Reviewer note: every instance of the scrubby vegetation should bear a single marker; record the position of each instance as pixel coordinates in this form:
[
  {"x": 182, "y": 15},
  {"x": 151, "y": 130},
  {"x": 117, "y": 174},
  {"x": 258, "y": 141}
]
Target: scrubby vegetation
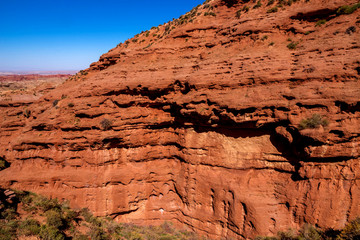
[
  {"x": 3, "y": 164},
  {"x": 292, "y": 45},
  {"x": 346, "y": 9},
  {"x": 320, "y": 22},
  {"x": 49, "y": 219},
  {"x": 272, "y": 10},
  {"x": 308, "y": 232},
  {"x": 27, "y": 113},
  {"x": 258, "y": 4},
  {"x": 315, "y": 121},
  {"x": 106, "y": 124},
  {"x": 209, "y": 14}
]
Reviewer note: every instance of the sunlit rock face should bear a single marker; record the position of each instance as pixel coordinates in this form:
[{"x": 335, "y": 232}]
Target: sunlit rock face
[{"x": 233, "y": 124}]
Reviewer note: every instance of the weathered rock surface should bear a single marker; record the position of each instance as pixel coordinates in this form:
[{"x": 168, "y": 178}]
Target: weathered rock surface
[{"x": 198, "y": 122}]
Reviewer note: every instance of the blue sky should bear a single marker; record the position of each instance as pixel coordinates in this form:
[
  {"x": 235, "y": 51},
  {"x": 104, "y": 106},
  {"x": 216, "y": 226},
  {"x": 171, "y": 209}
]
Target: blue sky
[{"x": 44, "y": 35}]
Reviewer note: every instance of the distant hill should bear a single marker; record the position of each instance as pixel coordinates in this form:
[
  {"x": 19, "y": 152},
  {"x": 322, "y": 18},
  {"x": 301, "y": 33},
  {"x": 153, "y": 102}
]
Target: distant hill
[{"x": 2, "y": 73}]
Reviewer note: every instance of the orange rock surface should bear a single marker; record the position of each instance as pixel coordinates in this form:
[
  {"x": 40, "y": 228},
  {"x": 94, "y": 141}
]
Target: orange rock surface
[{"x": 202, "y": 122}]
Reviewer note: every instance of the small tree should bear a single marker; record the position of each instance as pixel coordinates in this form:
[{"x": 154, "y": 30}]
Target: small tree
[
  {"x": 105, "y": 124},
  {"x": 313, "y": 122}
]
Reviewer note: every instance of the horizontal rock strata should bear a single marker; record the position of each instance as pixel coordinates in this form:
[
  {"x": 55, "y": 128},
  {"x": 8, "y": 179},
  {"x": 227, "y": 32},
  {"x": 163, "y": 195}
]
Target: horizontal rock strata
[{"x": 205, "y": 122}]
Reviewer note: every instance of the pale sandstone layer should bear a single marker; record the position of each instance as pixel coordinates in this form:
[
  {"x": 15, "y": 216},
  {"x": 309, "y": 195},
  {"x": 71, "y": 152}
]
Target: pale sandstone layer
[{"x": 205, "y": 124}]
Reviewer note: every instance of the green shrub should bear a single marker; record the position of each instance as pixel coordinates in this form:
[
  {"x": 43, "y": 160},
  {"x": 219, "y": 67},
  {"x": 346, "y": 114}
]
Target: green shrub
[
  {"x": 106, "y": 124},
  {"x": 3, "y": 164},
  {"x": 8, "y": 214},
  {"x": 209, "y": 14},
  {"x": 88, "y": 217},
  {"x": 60, "y": 224},
  {"x": 320, "y": 22},
  {"x": 289, "y": 235},
  {"x": 270, "y": 2},
  {"x": 46, "y": 204},
  {"x": 348, "y": 9},
  {"x": 86, "y": 214},
  {"x": 80, "y": 237},
  {"x": 8, "y": 229},
  {"x": 309, "y": 232},
  {"x": 97, "y": 233},
  {"x": 272, "y": 10},
  {"x": 292, "y": 45},
  {"x": 238, "y": 13},
  {"x": 71, "y": 105},
  {"x": 258, "y": 4},
  {"x": 167, "y": 237},
  {"x": 314, "y": 121},
  {"x": 265, "y": 238},
  {"x": 54, "y": 218},
  {"x": 245, "y": 8},
  {"x": 29, "y": 227},
  {"x": 351, "y": 231},
  {"x": 69, "y": 215},
  {"x": 6, "y": 234},
  {"x": 51, "y": 233}
]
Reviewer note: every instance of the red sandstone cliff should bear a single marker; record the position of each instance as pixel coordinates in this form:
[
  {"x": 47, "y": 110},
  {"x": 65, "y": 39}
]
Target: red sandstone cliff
[{"x": 200, "y": 122}]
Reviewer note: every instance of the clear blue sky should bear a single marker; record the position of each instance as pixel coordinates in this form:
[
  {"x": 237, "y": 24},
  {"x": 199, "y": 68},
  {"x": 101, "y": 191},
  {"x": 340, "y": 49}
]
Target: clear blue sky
[{"x": 43, "y": 35}]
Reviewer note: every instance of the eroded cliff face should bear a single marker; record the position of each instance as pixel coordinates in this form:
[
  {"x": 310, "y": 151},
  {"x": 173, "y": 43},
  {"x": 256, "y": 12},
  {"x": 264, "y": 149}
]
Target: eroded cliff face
[{"x": 199, "y": 122}]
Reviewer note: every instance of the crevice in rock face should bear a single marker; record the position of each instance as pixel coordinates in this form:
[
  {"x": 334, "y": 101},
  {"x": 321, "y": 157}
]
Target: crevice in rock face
[
  {"x": 357, "y": 69},
  {"x": 229, "y": 3},
  {"x": 35, "y": 145},
  {"x": 288, "y": 97},
  {"x": 314, "y": 16},
  {"x": 176, "y": 191},
  {"x": 115, "y": 215},
  {"x": 78, "y": 129},
  {"x": 339, "y": 133},
  {"x": 84, "y": 115},
  {"x": 350, "y": 203},
  {"x": 346, "y": 107},
  {"x": 111, "y": 142},
  {"x": 311, "y": 106},
  {"x": 329, "y": 159},
  {"x": 37, "y": 157},
  {"x": 177, "y": 86},
  {"x": 42, "y": 127}
]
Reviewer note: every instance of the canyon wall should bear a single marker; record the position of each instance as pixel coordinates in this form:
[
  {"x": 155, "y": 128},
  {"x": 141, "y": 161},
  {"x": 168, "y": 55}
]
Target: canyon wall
[{"x": 234, "y": 121}]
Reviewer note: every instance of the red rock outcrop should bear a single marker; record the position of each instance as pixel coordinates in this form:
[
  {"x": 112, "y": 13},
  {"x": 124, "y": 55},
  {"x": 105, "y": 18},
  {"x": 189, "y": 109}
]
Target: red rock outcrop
[{"x": 206, "y": 122}]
